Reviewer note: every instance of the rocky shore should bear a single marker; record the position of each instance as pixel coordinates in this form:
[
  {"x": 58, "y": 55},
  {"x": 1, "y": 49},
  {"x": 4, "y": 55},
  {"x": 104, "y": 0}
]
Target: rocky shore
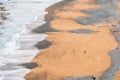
[{"x": 82, "y": 43}]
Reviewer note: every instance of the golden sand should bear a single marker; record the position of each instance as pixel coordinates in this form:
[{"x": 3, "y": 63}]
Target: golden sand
[
  {"x": 78, "y": 5},
  {"x": 73, "y": 54},
  {"x": 77, "y": 54},
  {"x": 117, "y": 76},
  {"x": 64, "y": 24}
]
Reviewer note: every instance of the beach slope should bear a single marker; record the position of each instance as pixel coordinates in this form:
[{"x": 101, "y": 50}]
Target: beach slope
[{"x": 81, "y": 34}]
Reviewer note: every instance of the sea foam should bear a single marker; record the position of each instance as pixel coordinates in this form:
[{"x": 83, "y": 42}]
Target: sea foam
[{"x": 17, "y": 41}]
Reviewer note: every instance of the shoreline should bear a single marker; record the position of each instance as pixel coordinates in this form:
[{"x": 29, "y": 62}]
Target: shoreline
[
  {"x": 19, "y": 52},
  {"x": 104, "y": 29},
  {"x": 22, "y": 66},
  {"x": 53, "y": 31}
]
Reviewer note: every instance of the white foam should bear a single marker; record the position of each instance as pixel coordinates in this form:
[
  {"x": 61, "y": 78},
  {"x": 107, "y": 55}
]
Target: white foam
[{"x": 17, "y": 41}]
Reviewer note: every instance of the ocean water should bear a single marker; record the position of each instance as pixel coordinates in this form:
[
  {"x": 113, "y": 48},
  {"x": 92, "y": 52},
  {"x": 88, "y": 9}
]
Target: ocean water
[{"x": 16, "y": 39}]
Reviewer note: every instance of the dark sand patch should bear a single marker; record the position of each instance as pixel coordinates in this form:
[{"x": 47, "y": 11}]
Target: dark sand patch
[
  {"x": 89, "y": 20},
  {"x": 30, "y": 65},
  {"x": 80, "y": 78},
  {"x": 99, "y": 11},
  {"x": 44, "y": 28},
  {"x": 43, "y": 44},
  {"x": 104, "y": 2},
  {"x": 98, "y": 15},
  {"x": 83, "y": 31}
]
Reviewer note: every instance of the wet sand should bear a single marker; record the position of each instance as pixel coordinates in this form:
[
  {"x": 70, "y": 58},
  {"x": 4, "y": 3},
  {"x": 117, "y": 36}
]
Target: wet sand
[{"x": 73, "y": 48}]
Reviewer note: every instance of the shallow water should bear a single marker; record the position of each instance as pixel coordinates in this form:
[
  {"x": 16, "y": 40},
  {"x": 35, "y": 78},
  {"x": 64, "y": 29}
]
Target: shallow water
[{"x": 17, "y": 41}]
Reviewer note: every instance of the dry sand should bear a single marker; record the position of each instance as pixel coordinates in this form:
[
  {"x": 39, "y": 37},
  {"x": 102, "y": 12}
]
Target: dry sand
[
  {"x": 74, "y": 54},
  {"x": 117, "y": 76}
]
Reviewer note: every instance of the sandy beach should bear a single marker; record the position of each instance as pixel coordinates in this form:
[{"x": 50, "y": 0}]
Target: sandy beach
[{"x": 81, "y": 38}]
